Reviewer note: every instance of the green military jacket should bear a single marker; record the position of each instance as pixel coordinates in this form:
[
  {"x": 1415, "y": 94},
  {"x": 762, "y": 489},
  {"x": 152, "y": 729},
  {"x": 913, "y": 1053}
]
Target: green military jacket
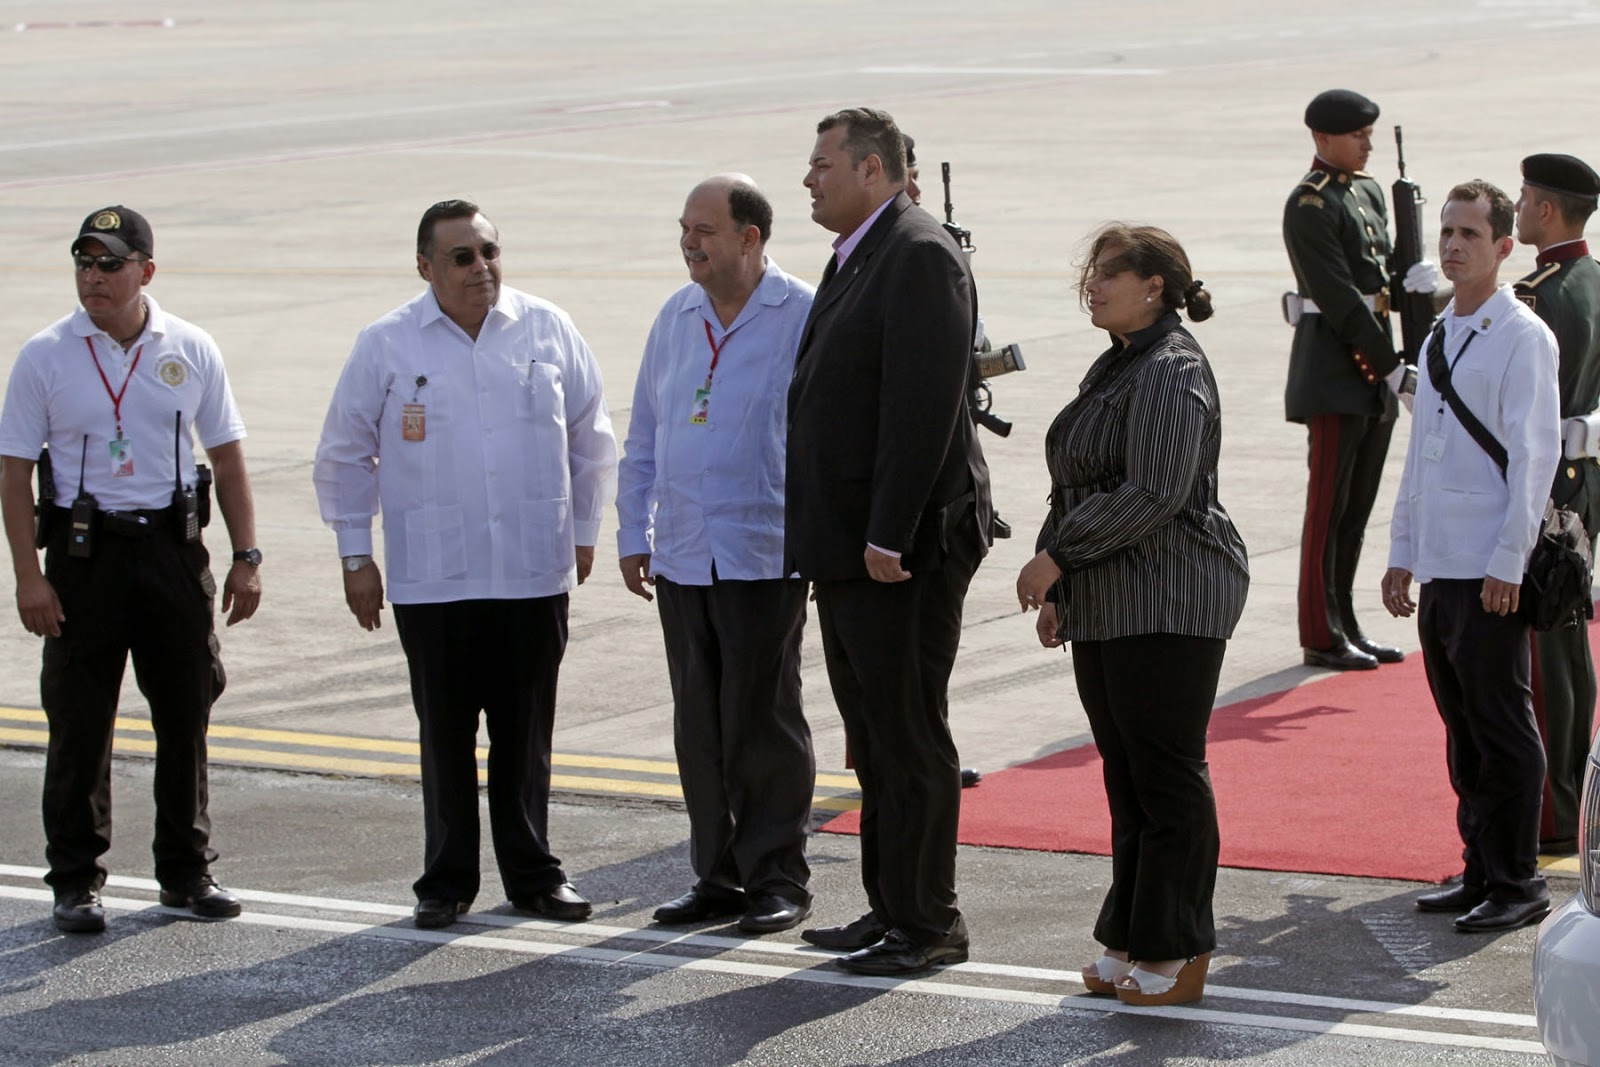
[
  {"x": 1565, "y": 293},
  {"x": 1336, "y": 229}
]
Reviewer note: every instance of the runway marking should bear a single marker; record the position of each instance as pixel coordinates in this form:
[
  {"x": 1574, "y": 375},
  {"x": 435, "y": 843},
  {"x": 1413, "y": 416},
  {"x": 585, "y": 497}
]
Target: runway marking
[
  {"x": 808, "y": 964},
  {"x": 309, "y": 761},
  {"x": 1052, "y": 72}
]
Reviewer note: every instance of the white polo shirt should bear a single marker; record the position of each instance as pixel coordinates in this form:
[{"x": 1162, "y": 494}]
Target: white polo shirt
[
  {"x": 57, "y": 396},
  {"x": 491, "y": 458}
]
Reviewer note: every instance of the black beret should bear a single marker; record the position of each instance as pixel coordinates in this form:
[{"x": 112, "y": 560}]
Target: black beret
[
  {"x": 1340, "y": 111},
  {"x": 911, "y": 148},
  {"x": 1563, "y": 174}
]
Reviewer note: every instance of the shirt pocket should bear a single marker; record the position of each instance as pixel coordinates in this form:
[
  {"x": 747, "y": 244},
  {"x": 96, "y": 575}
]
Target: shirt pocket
[
  {"x": 436, "y": 543},
  {"x": 545, "y": 532},
  {"x": 540, "y": 396}
]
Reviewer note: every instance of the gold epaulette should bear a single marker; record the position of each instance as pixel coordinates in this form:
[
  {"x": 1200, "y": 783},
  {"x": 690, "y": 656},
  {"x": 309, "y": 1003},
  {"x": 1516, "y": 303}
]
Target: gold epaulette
[
  {"x": 1533, "y": 281},
  {"x": 1316, "y": 180}
]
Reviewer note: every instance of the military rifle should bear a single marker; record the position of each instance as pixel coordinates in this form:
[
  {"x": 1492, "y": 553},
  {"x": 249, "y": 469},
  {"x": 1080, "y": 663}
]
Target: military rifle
[
  {"x": 1415, "y": 309},
  {"x": 990, "y": 362},
  {"x": 987, "y": 361}
]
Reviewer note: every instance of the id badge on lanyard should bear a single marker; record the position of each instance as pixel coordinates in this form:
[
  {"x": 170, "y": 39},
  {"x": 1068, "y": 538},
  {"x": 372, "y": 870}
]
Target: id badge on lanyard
[
  {"x": 119, "y": 447},
  {"x": 700, "y": 410}
]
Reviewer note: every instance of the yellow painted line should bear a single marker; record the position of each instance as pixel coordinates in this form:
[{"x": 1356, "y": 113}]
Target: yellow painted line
[
  {"x": 405, "y": 748},
  {"x": 1565, "y": 863},
  {"x": 392, "y": 768}
]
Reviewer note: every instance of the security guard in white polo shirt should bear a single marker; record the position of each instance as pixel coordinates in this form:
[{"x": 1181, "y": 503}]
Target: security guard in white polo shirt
[{"x": 118, "y": 390}]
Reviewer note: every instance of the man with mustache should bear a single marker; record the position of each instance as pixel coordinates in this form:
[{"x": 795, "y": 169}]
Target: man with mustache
[
  {"x": 474, "y": 416},
  {"x": 700, "y": 518},
  {"x": 120, "y": 390}
]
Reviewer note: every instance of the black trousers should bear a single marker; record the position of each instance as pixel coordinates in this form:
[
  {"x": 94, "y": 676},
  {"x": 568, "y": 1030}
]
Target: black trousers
[
  {"x": 1148, "y": 698},
  {"x": 890, "y": 648},
  {"x": 744, "y": 748},
  {"x": 1563, "y": 705},
  {"x": 1478, "y": 667},
  {"x": 150, "y": 599},
  {"x": 1346, "y": 463},
  {"x": 500, "y": 657}
]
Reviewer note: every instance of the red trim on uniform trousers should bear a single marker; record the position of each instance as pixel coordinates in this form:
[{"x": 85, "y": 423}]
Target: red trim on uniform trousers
[{"x": 1314, "y": 631}]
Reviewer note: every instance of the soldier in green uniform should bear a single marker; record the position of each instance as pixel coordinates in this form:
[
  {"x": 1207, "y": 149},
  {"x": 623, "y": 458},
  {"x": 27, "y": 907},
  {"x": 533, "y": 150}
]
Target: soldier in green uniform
[
  {"x": 1344, "y": 372},
  {"x": 1559, "y": 194}
]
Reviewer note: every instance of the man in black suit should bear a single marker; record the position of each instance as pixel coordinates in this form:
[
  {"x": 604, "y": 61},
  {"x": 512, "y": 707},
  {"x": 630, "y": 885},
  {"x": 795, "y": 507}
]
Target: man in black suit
[{"x": 889, "y": 514}]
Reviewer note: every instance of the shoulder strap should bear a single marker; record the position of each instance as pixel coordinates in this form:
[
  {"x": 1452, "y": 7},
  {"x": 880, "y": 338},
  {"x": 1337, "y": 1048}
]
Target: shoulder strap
[{"x": 1439, "y": 374}]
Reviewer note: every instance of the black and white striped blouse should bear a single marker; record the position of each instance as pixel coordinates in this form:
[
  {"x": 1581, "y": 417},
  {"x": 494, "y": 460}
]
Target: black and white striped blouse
[{"x": 1143, "y": 545}]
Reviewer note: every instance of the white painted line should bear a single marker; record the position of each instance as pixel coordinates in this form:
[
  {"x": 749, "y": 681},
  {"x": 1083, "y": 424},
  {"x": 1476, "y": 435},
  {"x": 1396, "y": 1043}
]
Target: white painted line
[
  {"x": 620, "y": 105},
  {"x": 930, "y": 986},
  {"x": 1011, "y": 72},
  {"x": 663, "y": 936}
]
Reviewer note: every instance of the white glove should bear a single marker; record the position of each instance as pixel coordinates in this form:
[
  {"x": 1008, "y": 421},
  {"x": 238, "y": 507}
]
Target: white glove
[
  {"x": 1423, "y": 277},
  {"x": 1396, "y": 379}
]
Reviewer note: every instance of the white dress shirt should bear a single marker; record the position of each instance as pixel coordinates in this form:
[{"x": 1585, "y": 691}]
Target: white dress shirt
[
  {"x": 57, "y": 396},
  {"x": 693, "y": 494},
  {"x": 515, "y": 464},
  {"x": 1456, "y": 516}
]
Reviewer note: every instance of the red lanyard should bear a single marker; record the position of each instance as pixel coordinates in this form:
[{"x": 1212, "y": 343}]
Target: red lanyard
[
  {"x": 116, "y": 397},
  {"x": 716, "y": 350}
]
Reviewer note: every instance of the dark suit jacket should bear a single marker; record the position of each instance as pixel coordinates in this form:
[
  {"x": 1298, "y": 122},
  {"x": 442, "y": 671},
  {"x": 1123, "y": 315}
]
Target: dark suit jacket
[{"x": 881, "y": 446}]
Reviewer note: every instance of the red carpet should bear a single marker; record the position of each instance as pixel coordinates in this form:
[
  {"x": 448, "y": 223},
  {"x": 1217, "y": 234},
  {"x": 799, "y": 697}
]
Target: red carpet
[{"x": 1344, "y": 775}]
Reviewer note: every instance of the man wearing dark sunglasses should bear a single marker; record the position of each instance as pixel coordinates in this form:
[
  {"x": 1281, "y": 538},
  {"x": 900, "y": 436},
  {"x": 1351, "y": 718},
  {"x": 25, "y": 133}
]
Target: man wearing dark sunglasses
[
  {"x": 474, "y": 417},
  {"x": 119, "y": 390}
]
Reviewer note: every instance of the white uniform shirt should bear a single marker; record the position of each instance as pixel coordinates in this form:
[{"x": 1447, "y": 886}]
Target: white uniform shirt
[
  {"x": 693, "y": 494},
  {"x": 56, "y": 396},
  {"x": 1456, "y": 517},
  {"x": 516, "y": 463}
]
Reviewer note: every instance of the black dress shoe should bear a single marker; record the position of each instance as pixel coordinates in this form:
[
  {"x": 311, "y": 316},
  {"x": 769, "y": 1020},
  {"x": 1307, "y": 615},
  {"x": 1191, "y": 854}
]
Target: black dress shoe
[
  {"x": 700, "y": 904},
  {"x": 435, "y": 913},
  {"x": 1494, "y": 915},
  {"x": 897, "y": 954},
  {"x": 867, "y": 930},
  {"x": 1453, "y": 898},
  {"x": 204, "y": 897},
  {"x": 78, "y": 911},
  {"x": 1342, "y": 658},
  {"x": 970, "y": 776},
  {"x": 769, "y": 913},
  {"x": 1379, "y": 652},
  {"x": 558, "y": 902}
]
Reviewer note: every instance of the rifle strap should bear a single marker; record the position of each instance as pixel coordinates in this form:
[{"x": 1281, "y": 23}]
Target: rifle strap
[{"x": 1439, "y": 370}]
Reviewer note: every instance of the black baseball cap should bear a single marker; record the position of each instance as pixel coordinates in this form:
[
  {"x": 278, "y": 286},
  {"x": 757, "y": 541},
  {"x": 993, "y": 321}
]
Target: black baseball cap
[
  {"x": 1339, "y": 111},
  {"x": 121, "y": 229},
  {"x": 1561, "y": 174}
]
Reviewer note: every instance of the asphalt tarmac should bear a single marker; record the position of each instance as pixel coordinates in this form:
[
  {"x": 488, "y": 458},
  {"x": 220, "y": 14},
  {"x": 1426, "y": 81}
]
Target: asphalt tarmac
[{"x": 284, "y": 152}]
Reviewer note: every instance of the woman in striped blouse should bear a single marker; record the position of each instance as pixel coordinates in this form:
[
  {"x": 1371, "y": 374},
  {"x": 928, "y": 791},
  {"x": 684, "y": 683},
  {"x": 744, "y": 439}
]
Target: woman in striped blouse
[{"x": 1142, "y": 570}]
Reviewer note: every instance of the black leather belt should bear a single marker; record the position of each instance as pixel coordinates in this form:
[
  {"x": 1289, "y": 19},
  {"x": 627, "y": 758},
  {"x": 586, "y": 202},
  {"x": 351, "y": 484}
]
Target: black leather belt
[{"x": 132, "y": 525}]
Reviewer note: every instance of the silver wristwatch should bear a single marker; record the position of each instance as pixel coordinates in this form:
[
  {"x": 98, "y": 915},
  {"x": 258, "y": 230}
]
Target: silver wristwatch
[{"x": 355, "y": 563}]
